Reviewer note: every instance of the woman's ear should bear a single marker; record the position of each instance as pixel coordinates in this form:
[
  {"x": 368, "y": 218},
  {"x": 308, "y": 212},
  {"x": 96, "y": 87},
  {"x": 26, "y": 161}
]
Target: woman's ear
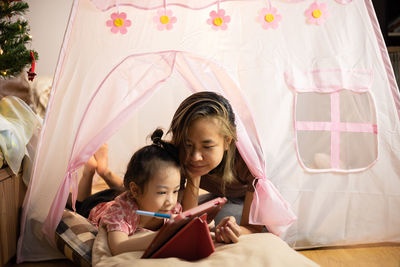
[
  {"x": 227, "y": 143},
  {"x": 134, "y": 189}
]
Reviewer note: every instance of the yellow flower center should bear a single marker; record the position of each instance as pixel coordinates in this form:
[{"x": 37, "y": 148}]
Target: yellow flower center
[
  {"x": 269, "y": 18},
  {"x": 218, "y": 21},
  {"x": 118, "y": 22},
  {"x": 317, "y": 13},
  {"x": 164, "y": 19}
]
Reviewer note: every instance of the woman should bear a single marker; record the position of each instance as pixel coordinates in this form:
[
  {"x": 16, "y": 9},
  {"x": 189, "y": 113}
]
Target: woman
[{"x": 204, "y": 130}]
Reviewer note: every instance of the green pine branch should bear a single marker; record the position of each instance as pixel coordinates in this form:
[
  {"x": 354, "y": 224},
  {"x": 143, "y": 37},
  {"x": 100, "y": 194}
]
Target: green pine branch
[
  {"x": 9, "y": 9},
  {"x": 14, "y": 37},
  {"x": 11, "y": 31}
]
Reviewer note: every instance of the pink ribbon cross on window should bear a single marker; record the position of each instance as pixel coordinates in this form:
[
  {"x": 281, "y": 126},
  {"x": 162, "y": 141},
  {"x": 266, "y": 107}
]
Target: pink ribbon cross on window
[{"x": 335, "y": 126}]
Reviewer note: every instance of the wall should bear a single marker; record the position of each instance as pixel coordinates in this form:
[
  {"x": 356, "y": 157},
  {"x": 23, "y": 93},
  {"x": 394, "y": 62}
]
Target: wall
[{"x": 47, "y": 20}]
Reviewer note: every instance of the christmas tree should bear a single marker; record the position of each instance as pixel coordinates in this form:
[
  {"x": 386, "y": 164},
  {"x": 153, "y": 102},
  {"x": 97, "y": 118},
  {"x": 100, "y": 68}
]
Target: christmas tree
[{"x": 14, "y": 36}]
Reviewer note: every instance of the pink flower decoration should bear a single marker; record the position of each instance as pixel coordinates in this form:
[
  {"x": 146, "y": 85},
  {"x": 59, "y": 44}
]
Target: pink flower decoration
[
  {"x": 164, "y": 19},
  {"x": 269, "y": 18},
  {"x": 218, "y": 20},
  {"x": 317, "y": 13},
  {"x": 118, "y": 23}
]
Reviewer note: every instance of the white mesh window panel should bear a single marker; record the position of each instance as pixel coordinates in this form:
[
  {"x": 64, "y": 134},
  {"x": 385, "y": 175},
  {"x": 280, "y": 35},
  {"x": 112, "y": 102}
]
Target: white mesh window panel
[{"x": 335, "y": 131}]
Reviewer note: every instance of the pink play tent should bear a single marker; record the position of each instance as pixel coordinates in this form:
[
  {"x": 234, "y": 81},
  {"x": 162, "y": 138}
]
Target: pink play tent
[{"x": 310, "y": 82}]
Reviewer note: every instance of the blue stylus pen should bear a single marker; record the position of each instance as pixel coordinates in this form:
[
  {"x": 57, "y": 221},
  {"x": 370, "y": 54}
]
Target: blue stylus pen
[{"x": 154, "y": 214}]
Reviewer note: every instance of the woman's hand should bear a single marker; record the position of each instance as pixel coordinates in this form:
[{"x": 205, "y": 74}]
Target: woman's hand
[
  {"x": 211, "y": 225},
  {"x": 227, "y": 231}
]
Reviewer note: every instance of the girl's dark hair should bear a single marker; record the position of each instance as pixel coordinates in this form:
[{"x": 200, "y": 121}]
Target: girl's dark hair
[
  {"x": 146, "y": 161},
  {"x": 207, "y": 104}
]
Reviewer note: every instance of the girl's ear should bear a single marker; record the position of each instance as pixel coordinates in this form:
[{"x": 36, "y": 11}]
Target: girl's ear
[
  {"x": 134, "y": 189},
  {"x": 227, "y": 143}
]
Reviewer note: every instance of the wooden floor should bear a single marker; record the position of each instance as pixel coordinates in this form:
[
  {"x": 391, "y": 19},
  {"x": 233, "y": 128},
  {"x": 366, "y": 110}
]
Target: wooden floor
[{"x": 373, "y": 255}]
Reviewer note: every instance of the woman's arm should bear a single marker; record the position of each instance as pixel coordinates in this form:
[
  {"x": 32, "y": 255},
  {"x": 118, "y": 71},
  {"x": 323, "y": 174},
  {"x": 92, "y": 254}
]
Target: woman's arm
[
  {"x": 191, "y": 193},
  {"x": 228, "y": 231},
  {"x": 119, "y": 242},
  {"x": 244, "y": 222},
  {"x": 243, "y": 171}
]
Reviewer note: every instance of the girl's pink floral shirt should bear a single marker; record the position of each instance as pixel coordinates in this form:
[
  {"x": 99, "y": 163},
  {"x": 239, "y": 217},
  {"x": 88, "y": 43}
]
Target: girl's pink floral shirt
[{"x": 120, "y": 214}]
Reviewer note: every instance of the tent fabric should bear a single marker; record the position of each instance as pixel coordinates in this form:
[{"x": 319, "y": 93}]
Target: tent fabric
[{"x": 317, "y": 108}]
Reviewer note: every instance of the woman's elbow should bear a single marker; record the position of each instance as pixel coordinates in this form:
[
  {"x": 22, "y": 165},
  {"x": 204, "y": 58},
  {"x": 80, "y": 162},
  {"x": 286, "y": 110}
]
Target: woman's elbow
[{"x": 251, "y": 229}]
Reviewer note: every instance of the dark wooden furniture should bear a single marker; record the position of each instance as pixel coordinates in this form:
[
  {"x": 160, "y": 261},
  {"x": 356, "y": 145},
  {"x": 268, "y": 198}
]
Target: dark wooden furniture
[{"x": 12, "y": 191}]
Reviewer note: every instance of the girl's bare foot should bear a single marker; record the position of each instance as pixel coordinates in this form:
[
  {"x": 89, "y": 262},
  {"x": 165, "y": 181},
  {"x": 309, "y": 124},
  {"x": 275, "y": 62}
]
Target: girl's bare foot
[
  {"x": 85, "y": 183},
  {"x": 90, "y": 166},
  {"x": 102, "y": 169},
  {"x": 101, "y": 157}
]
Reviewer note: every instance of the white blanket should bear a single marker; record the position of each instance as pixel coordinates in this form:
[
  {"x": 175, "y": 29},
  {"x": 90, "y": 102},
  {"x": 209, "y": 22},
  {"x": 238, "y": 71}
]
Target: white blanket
[{"x": 263, "y": 249}]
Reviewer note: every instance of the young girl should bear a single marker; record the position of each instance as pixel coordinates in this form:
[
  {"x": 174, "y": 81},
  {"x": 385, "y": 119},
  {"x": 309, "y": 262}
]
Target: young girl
[{"x": 152, "y": 183}]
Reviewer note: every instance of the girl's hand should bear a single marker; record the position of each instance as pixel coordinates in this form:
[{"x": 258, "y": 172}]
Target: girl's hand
[
  {"x": 227, "y": 231},
  {"x": 173, "y": 215}
]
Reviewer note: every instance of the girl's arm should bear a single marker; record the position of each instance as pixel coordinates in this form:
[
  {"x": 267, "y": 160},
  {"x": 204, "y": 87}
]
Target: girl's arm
[{"x": 119, "y": 242}]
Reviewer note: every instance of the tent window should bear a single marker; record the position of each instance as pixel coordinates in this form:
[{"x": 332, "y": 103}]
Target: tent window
[{"x": 335, "y": 131}]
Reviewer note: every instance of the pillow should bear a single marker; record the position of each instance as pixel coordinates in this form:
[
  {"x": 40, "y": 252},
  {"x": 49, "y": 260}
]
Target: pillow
[
  {"x": 74, "y": 238},
  {"x": 17, "y": 86},
  {"x": 41, "y": 88},
  {"x": 260, "y": 249}
]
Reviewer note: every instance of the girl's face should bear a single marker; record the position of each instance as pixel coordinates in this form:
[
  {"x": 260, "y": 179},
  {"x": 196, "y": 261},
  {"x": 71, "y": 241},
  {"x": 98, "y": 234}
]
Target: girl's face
[
  {"x": 204, "y": 146},
  {"x": 161, "y": 192}
]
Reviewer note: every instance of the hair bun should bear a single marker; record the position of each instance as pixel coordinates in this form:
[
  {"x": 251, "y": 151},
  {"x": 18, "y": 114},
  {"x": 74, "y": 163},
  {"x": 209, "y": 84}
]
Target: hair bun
[{"x": 156, "y": 136}]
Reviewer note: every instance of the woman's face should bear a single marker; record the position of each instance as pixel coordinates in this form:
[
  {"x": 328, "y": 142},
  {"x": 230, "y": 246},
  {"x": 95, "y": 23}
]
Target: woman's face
[{"x": 204, "y": 146}]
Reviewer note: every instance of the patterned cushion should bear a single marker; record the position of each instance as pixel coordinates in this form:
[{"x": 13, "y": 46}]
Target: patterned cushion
[{"x": 75, "y": 237}]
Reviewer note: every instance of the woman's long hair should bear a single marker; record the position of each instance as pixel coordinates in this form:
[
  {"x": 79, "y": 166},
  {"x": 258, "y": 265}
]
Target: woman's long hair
[{"x": 201, "y": 105}]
